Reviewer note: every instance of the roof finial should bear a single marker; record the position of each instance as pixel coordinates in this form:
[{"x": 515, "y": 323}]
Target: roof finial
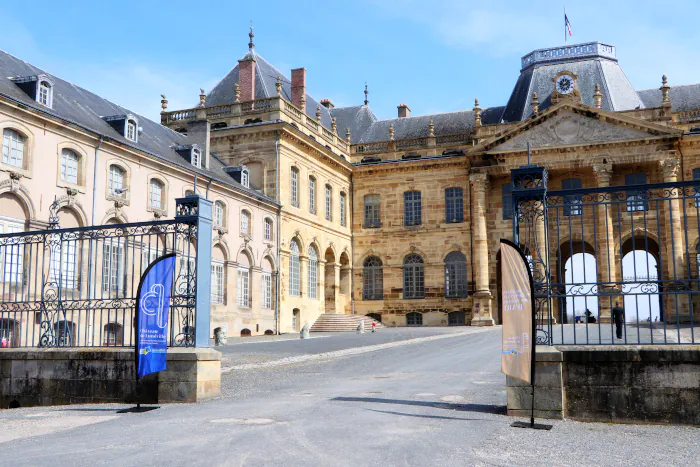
[
  {"x": 431, "y": 129},
  {"x": 391, "y": 132},
  {"x": 318, "y": 113},
  {"x": 597, "y": 97},
  {"x": 163, "y": 104},
  {"x": 535, "y": 103},
  {"x": 477, "y": 114},
  {"x": 202, "y": 98},
  {"x": 366, "y": 94},
  {"x": 347, "y": 135},
  {"x": 237, "y": 91},
  {"x": 278, "y": 86},
  {"x": 251, "y": 45}
]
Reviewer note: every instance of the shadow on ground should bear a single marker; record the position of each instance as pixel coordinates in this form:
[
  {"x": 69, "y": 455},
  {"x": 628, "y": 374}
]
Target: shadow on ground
[{"x": 481, "y": 408}]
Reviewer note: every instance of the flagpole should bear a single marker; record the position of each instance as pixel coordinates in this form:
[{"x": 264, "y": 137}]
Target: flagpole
[{"x": 564, "y": 25}]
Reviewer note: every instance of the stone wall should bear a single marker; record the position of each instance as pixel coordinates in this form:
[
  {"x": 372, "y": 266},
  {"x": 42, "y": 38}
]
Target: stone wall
[
  {"x": 31, "y": 377},
  {"x": 619, "y": 384}
]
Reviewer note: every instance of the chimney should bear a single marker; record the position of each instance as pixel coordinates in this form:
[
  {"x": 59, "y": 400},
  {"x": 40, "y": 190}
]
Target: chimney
[
  {"x": 327, "y": 103},
  {"x": 299, "y": 87},
  {"x": 246, "y": 78},
  {"x": 404, "y": 111}
]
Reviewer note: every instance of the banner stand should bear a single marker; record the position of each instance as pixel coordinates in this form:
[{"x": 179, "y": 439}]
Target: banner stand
[{"x": 532, "y": 341}]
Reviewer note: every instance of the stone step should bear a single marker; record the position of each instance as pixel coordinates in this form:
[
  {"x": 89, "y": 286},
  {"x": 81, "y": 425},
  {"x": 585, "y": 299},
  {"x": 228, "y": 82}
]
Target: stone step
[{"x": 328, "y": 322}]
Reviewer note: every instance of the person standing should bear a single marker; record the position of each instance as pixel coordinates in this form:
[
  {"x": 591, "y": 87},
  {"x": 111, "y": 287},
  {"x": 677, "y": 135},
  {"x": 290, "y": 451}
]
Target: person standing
[
  {"x": 374, "y": 326},
  {"x": 618, "y": 318}
]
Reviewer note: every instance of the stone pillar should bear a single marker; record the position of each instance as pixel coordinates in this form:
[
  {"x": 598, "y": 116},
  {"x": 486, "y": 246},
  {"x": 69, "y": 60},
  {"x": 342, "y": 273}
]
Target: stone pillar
[
  {"x": 606, "y": 259},
  {"x": 322, "y": 284},
  {"x": 675, "y": 267},
  {"x": 481, "y": 312},
  {"x": 336, "y": 287}
]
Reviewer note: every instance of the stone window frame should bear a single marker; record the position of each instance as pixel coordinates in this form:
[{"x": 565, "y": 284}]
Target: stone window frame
[
  {"x": 125, "y": 197},
  {"x": 245, "y": 210},
  {"x": 223, "y": 224},
  {"x": 28, "y": 152},
  {"x": 456, "y": 268},
  {"x": 163, "y": 209},
  {"x": 80, "y": 186},
  {"x": 328, "y": 202},
  {"x": 342, "y": 203},
  {"x": 372, "y": 217},
  {"x": 295, "y": 268},
  {"x": 313, "y": 194},
  {"x": 294, "y": 185},
  {"x": 373, "y": 278},
  {"x": 131, "y": 122},
  {"x": 266, "y": 221},
  {"x": 409, "y": 206},
  {"x": 413, "y": 276},
  {"x": 312, "y": 272},
  {"x": 454, "y": 195}
]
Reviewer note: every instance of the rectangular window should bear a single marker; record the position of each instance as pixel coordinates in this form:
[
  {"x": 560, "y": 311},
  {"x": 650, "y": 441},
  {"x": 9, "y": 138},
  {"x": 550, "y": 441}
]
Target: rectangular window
[
  {"x": 313, "y": 278},
  {"x": 217, "y": 282},
  {"x": 294, "y": 271},
  {"x": 69, "y": 166},
  {"x": 329, "y": 203},
  {"x": 343, "y": 220},
  {"x": 267, "y": 291},
  {"x": 218, "y": 214},
  {"x": 636, "y": 199},
  {"x": 63, "y": 262},
  {"x": 372, "y": 211},
  {"x": 243, "y": 288},
  {"x": 12, "y": 148},
  {"x": 43, "y": 94},
  {"x": 116, "y": 180},
  {"x": 245, "y": 178},
  {"x": 454, "y": 205},
  {"x": 507, "y": 196},
  {"x": 572, "y": 204},
  {"x": 268, "y": 230},
  {"x": 131, "y": 131},
  {"x": 245, "y": 223},
  {"x": 312, "y": 195},
  {"x": 412, "y": 208},
  {"x": 112, "y": 267},
  {"x": 156, "y": 194},
  {"x": 295, "y": 187},
  {"x": 12, "y": 256}
]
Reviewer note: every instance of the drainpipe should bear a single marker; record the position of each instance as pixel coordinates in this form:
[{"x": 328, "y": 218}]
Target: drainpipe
[
  {"x": 94, "y": 183},
  {"x": 279, "y": 232}
]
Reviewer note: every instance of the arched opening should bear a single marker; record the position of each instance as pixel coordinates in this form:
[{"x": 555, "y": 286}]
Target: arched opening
[
  {"x": 577, "y": 271},
  {"x": 413, "y": 277},
  {"x": 113, "y": 334},
  {"x": 312, "y": 279},
  {"x": 372, "y": 279},
  {"x": 640, "y": 277},
  {"x": 294, "y": 269},
  {"x": 345, "y": 274},
  {"x": 10, "y": 332},
  {"x": 269, "y": 332},
  {"x": 414, "y": 319},
  {"x": 455, "y": 275},
  {"x": 456, "y": 318},
  {"x": 375, "y": 316},
  {"x": 13, "y": 219},
  {"x": 330, "y": 285},
  {"x": 296, "y": 319},
  {"x": 245, "y": 332}
]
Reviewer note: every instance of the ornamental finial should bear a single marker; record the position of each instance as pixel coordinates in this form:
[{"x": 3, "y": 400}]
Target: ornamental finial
[
  {"x": 535, "y": 103},
  {"x": 334, "y": 125},
  {"x": 431, "y": 129},
  {"x": 163, "y": 103},
  {"x": 278, "y": 86},
  {"x": 251, "y": 45},
  {"x": 597, "y": 97},
  {"x": 202, "y": 98},
  {"x": 318, "y": 113},
  {"x": 477, "y": 114},
  {"x": 237, "y": 91},
  {"x": 347, "y": 135},
  {"x": 391, "y": 132},
  {"x": 366, "y": 94}
]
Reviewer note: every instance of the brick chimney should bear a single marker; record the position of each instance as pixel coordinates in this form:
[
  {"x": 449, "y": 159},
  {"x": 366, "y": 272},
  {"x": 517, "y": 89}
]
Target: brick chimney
[
  {"x": 404, "y": 111},
  {"x": 246, "y": 78},
  {"x": 299, "y": 87},
  {"x": 327, "y": 103}
]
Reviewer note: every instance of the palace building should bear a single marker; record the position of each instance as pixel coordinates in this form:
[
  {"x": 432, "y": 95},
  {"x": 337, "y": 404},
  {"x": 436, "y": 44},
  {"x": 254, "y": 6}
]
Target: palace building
[{"x": 322, "y": 210}]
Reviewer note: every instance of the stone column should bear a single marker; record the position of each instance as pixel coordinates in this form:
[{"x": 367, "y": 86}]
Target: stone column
[
  {"x": 606, "y": 259},
  {"x": 481, "y": 312},
  {"x": 675, "y": 267},
  {"x": 322, "y": 285},
  {"x": 336, "y": 288}
]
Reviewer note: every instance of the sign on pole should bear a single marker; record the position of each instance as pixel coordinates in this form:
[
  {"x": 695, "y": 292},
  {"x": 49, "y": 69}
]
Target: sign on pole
[
  {"x": 517, "y": 349},
  {"x": 152, "y": 307}
]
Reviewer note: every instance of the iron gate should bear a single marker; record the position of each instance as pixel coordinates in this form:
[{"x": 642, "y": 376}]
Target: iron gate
[{"x": 608, "y": 255}]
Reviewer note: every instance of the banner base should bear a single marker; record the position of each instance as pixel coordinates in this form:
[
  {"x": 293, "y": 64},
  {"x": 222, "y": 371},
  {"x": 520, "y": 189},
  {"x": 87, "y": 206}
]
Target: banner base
[{"x": 534, "y": 426}]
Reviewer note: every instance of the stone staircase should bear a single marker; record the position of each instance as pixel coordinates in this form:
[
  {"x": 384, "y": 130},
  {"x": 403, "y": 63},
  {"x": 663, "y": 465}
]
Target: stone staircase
[{"x": 329, "y": 322}]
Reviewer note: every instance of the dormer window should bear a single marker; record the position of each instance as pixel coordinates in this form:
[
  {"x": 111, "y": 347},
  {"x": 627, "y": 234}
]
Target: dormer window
[
  {"x": 245, "y": 177},
  {"x": 131, "y": 130},
  {"x": 38, "y": 87},
  {"x": 125, "y": 125},
  {"x": 197, "y": 158}
]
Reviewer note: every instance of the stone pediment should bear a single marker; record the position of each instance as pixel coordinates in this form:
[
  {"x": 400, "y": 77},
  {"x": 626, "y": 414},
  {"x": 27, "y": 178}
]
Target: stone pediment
[{"x": 569, "y": 125}]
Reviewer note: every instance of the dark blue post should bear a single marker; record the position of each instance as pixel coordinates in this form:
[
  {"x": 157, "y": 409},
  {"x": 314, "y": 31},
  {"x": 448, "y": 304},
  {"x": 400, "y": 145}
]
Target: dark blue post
[{"x": 194, "y": 206}]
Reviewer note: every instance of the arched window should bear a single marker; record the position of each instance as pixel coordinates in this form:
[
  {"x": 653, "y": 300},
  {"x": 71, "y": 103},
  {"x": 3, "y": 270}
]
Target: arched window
[
  {"x": 413, "y": 277},
  {"x": 329, "y": 203},
  {"x": 245, "y": 222},
  {"x": 156, "y": 194},
  {"x": 268, "y": 229},
  {"x": 219, "y": 214},
  {"x": 312, "y": 195},
  {"x": 116, "y": 181},
  {"x": 12, "y": 148},
  {"x": 343, "y": 220},
  {"x": 372, "y": 279},
  {"x": 69, "y": 166},
  {"x": 455, "y": 275},
  {"x": 294, "y": 268},
  {"x": 313, "y": 273},
  {"x": 295, "y": 187},
  {"x": 372, "y": 211},
  {"x": 245, "y": 177},
  {"x": 44, "y": 96},
  {"x": 414, "y": 319},
  {"x": 197, "y": 158},
  {"x": 131, "y": 130}
]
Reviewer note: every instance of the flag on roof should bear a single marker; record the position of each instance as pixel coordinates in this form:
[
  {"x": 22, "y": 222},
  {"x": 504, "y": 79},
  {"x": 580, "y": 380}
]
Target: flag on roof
[{"x": 567, "y": 25}]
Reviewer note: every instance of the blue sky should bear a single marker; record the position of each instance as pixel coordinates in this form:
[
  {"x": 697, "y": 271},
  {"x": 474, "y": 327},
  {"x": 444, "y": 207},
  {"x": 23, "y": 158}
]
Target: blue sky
[{"x": 436, "y": 56}]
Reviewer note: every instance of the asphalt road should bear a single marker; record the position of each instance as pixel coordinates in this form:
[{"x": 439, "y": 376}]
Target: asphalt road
[{"x": 430, "y": 401}]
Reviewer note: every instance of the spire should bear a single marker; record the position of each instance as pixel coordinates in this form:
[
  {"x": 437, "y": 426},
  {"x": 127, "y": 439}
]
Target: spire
[
  {"x": 366, "y": 94},
  {"x": 251, "y": 45}
]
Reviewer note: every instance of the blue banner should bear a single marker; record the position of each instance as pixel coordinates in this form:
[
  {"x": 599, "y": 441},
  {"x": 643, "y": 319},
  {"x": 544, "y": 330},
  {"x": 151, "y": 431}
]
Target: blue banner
[{"x": 152, "y": 306}]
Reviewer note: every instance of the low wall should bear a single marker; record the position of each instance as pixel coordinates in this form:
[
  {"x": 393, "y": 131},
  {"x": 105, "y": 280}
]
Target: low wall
[
  {"x": 621, "y": 384},
  {"x": 30, "y": 377}
]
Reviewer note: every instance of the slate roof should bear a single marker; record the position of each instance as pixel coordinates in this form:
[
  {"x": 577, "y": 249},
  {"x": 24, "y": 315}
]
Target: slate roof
[
  {"x": 417, "y": 127},
  {"x": 76, "y": 105},
  {"x": 358, "y": 118},
  {"x": 683, "y": 98},
  {"x": 265, "y": 79}
]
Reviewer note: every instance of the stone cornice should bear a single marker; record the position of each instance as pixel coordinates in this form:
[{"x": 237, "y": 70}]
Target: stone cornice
[{"x": 405, "y": 166}]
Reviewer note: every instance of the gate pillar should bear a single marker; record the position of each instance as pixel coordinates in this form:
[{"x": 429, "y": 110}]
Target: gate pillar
[
  {"x": 481, "y": 310},
  {"x": 201, "y": 209}
]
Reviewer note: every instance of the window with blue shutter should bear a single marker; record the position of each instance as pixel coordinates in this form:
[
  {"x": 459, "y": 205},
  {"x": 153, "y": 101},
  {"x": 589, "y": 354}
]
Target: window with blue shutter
[
  {"x": 636, "y": 199},
  {"x": 572, "y": 203},
  {"x": 507, "y": 194}
]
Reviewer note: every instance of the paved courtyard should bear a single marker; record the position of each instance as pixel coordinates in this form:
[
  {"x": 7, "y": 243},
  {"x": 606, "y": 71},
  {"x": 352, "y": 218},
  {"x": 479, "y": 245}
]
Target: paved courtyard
[{"x": 404, "y": 397}]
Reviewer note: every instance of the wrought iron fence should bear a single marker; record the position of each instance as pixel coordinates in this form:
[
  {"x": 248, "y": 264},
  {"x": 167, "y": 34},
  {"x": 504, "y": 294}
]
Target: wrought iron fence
[
  {"x": 612, "y": 265},
  {"x": 77, "y": 287}
]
